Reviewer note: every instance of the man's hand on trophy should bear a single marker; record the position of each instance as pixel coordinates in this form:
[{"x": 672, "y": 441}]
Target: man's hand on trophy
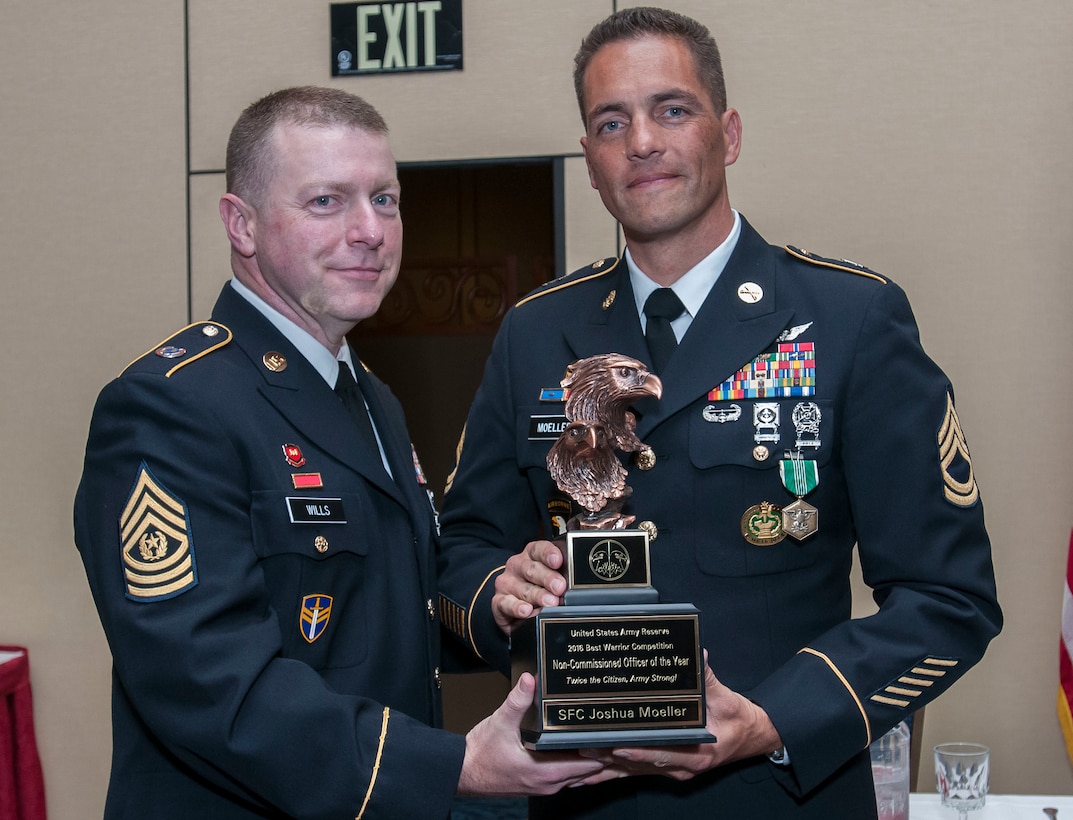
[
  {"x": 530, "y": 582},
  {"x": 496, "y": 763},
  {"x": 741, "y": 727}
]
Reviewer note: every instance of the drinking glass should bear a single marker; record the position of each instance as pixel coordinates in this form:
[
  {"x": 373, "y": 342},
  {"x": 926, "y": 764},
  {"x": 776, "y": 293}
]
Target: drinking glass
[{"x": 961, "y": 771}]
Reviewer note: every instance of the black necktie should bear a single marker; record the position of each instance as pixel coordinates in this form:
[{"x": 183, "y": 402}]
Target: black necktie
[
  {"x": 662, "y": 308},
  {"x": 348, "y": 391}
]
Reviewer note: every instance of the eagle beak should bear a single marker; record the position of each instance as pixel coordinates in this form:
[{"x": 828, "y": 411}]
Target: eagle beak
[
  {"x": 653, "y": 385},
  {"x": 592, "y": 436}
]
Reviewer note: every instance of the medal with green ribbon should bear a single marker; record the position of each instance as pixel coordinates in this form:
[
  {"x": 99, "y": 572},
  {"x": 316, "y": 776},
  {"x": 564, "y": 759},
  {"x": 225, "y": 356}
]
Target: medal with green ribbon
[{"x": 800, "y": 476}]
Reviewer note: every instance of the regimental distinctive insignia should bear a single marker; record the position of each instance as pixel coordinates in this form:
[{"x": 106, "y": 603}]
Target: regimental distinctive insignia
[
  {"x": 599, "y": 263},
  {"x": 210, "y": 331},
  {"x": 610, "y": 300},
  {"x": 316, "y": 612},
  {"x": 721, "y": 415},
  {"x": 154, "y": 535},
  {"x": 293, "y": 455},
  {"x": 170, "y": 352},
  {"x": 762, "y": 524},
  {"x": 787, "y": 373},
  {"x": 959, "y": 482},
  {"x": 276, "y": 362},
  {"x": 806, "y": 417},
  {"x": 766, "y": 421},
  {"x": 609, "y": 559},
  {"x": 914, "y": 682}
]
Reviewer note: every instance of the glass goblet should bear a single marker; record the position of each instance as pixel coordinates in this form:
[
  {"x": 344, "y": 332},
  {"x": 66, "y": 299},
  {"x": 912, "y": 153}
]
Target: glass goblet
[{"x": 961, "y": 773}]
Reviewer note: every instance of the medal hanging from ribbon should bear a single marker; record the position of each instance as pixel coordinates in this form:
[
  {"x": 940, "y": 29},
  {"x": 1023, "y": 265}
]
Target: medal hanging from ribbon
[{"x": 800, "y": 476}]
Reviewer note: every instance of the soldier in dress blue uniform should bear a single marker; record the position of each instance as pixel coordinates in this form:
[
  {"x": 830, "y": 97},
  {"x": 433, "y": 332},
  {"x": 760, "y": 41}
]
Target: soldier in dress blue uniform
[
  {"x": 261, "y": 553},
  {"x": 799, "y": 417}
]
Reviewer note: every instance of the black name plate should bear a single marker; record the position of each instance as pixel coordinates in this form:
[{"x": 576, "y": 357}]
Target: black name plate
[{"x": 612, "y": 675}]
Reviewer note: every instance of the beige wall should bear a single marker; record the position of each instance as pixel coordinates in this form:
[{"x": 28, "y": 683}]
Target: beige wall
[{"x": 927, "y": 140}]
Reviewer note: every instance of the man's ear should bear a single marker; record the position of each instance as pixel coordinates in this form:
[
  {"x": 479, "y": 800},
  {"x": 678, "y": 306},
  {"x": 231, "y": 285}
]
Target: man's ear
[
  {"x": 731, "y": 122},
  {"x": 238, "y": 222}
]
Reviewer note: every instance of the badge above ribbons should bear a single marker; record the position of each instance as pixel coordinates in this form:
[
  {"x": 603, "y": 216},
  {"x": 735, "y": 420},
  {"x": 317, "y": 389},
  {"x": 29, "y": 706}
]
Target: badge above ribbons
[{"x": 154, "y": 535}]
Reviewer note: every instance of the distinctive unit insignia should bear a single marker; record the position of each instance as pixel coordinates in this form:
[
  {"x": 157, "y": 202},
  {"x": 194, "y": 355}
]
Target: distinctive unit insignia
[
  {"x": 958, "y": 479},
  {"x": 316, "y": 612},
  {"x": 293, "y": 455},
  {"x": 154, "y": 534}
]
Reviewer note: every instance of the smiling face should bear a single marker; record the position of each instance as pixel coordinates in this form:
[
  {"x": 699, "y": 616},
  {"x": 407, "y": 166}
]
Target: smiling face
[
  {"x": 655, "y": 147},
  {"x": 323, "y": 244}
]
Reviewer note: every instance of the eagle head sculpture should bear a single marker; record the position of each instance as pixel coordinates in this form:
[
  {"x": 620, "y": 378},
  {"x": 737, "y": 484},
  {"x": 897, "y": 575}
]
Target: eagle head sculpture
[{"x": 601, "y": 388}]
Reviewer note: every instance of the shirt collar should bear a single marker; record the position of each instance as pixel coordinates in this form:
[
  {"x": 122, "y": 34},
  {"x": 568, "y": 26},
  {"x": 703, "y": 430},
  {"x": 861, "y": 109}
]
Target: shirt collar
[
  {"x": 315, "y": 353},
  {"x": 695, "y": 284}
]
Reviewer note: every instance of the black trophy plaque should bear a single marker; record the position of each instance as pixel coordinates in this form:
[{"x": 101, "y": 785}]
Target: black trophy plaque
[{"x": 614, "y": 666}]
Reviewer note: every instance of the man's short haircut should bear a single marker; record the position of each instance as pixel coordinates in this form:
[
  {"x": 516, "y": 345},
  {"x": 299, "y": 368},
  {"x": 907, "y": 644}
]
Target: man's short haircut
[
  {"x": 635, "y": 23},
  {"x": 250, "y": 160}
]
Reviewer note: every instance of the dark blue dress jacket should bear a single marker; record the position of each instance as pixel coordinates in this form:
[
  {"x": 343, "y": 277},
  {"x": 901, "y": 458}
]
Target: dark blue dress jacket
[
  {"x": 895, "y": 479},
  {"x": 266, "y": 591}
]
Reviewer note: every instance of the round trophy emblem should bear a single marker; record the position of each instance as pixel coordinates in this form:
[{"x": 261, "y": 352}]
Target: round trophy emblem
[{"x": 609, "y": 560}]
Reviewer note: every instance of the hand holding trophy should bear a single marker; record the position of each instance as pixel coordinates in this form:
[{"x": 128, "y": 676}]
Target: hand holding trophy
[{"x": 614, "y": 666}]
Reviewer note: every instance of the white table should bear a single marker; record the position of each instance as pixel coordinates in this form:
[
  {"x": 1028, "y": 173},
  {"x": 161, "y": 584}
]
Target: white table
[{"x": 926, "y": 806}]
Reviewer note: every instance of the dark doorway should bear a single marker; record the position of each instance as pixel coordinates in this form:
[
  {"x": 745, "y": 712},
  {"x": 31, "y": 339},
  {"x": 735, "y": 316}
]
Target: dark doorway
[{"x": 477, "y": 237}]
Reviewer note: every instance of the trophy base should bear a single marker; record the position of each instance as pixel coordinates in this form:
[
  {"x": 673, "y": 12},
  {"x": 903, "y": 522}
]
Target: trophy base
[
  {"x": 537, "y": 742},
  {"x": 612, "y": 675}
]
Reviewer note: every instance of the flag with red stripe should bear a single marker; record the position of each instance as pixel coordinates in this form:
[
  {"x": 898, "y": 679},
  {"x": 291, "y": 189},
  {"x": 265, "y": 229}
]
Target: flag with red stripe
[{"x": 1065, "y": 653}]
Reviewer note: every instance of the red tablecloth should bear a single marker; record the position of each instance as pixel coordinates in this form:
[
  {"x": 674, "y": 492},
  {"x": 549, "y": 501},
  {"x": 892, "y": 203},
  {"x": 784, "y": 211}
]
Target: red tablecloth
[{"x": 22, "y": 786}]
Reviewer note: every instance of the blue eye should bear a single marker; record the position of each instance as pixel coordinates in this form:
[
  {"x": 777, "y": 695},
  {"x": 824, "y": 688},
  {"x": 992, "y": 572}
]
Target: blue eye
[
  {"x": 384, "y": 200},
  {"x": 322, "y": 201}
]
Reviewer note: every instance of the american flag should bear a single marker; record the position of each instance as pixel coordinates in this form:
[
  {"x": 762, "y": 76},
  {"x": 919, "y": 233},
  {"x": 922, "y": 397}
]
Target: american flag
[{"x": 1065, "y": 653}]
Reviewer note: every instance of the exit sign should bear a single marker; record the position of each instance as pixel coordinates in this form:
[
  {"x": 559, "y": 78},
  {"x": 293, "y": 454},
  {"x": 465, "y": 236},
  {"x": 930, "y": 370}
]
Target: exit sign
[{"x": 378, "y": 38}]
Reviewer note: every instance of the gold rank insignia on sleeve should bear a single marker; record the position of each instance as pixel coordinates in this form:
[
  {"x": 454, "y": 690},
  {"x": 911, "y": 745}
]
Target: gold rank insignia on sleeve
[
  {"x": 914, "y": 682},
  {"x": 154, "y": 535},
  {"x": 959, "y": 482}
]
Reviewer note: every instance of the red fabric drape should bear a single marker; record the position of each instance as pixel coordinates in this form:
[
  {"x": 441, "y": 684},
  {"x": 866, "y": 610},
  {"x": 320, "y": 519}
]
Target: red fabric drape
[{"x": 22, "y": 785}]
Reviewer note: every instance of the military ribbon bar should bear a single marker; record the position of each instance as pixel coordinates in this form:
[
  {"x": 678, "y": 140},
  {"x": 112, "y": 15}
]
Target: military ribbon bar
[{"x": 788, "y": 372}]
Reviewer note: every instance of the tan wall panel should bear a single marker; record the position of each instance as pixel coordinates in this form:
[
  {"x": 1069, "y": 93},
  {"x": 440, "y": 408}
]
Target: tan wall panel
[
  {"x": 929, "y": 141},
  {"x": 591, "y": 233},
  {"x": 92, "y": 216},
  {"x": 513, "y": 97},
  {"x": 210, "y": 264}
]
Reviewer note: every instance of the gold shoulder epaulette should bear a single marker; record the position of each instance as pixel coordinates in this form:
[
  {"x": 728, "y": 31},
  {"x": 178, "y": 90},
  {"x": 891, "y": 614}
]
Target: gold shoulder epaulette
[
  {"x": 601, "y": 267},
  {"x": 188, "y": 345},
  {"x": 837, "y": 264}
]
